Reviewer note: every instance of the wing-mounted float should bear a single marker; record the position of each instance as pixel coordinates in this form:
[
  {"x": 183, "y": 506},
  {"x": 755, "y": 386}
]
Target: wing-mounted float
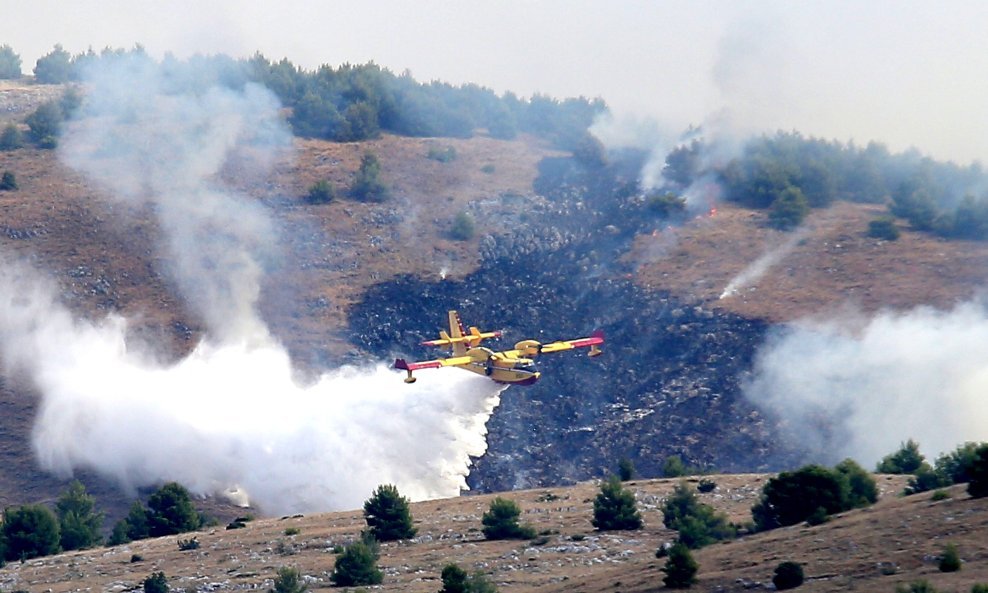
[{"x": 507, "y": 366}]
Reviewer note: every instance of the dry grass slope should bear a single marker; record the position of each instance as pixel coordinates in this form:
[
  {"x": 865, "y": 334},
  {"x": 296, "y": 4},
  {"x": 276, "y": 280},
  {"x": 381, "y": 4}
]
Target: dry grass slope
[{"x": 855, "y": 551}]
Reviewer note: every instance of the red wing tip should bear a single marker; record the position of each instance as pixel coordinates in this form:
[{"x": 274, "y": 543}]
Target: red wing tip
[
  {"x": 598, "y": 333},
  {"x": 401, "y": 364}
]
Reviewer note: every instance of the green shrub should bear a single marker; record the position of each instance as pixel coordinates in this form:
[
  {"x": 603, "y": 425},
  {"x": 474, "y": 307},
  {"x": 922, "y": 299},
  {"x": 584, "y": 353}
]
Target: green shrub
[
  {"x": 488, "y": 169},
  {"x": 788, "y": 575},
  {"x": 10, "y": 138},
  {"x": 387, "y": 514},
  {"x": 443, "y": 155},
  {"x": 788, "y": 209},
  {"x": 155, "y": 583},
  {"x": 883, "y": 228},
  {"x": 8, "y": 182},
  {"x": 79, "y": 521},
  {"x": 906, "y": 460},
  {"x": 321, "y": 192},
  {"x": 356, "y": 566},
  {"x": 289, "y": 531},
  {"x": 863, "y": 490},
  {"x": 170, "y": 511},
  {"x": 501, "y": 521},
  {"x": 10, "y": 63},
  {"x": 454, "y": 579},
  {"x": 367, "y": 185},
  {"x": 921, "y": 586},
  {"x": 464, "y": 227},
  {"x": 979, "y": 588},
  {"x": 706, "y": 485},
  {"x": 45, "y": 123},
  {"x": 132, "y": 527},
  {"x": 977, "y": 485},
  {"x": 673, "y": 467},
  {"x": 29, "y": 531},
  {"x": 794, "y": 497},
  {"x": 949, "y": 560},
  {"x": 665, "y": 204},
  {"x": 614, "y": 507},
  {"x": 939, "y": 495},
  {"x": 626, "y": 469},
  {"x": 680, "y": 568},
  {"x": 54, "y": 67},
  {"x": 288, "y": 580},
  {"x": 479, "y": 582},
  {"x": 698, "y": 524},
  {"x": 956, "y": 465},
  {"x": 925, "y": 479}
]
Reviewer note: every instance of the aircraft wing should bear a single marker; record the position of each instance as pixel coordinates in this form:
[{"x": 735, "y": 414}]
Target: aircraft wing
[
  {"x": 529, "y": 348},
  {"x": 432, "y": 364},
  {"x": 594, "y": 340}
]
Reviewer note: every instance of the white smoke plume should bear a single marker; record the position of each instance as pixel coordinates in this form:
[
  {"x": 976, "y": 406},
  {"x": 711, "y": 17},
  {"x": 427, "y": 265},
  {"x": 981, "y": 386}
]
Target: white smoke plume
[
  {"x": 763, "y": 264},
  {"x": 860, "y": 387},
  {"x": 148, "y": 142},
  {"x": 229, "y": 417}
]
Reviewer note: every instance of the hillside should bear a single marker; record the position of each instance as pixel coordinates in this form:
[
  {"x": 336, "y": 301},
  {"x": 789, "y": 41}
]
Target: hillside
[
  {"x": 895, "y": 541},
  {"x": 555, "y": 255}
]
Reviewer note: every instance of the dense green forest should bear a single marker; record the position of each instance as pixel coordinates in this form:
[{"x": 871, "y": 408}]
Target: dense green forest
[
  {"x": 350, "y": 102},
  {"x": 789, "y": 174}
]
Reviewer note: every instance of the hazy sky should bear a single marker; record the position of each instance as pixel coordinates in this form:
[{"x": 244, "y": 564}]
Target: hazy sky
[{"x": 901, "y": 72}]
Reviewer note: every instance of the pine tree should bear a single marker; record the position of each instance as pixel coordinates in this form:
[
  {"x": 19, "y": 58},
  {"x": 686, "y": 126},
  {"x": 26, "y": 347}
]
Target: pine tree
[
  {"x": 356, "y": 566},
  {"x": 615, "y": 508},
  {"x": 501, "y": 521},
  {"x": 29, "y": 531},
  {"x": 977, "y": 485},
  {"x": 10, "y": 63},
  {"x": 388, "y": 515},
  {"x": 170, "y": 511},
  {"x": 78, "y": 519},
  {"x": 454, "y": 579},
  {"x": 698, "y": 524},
  {"x": 906, "y": 460},
  {"x": 680, "y": 568}
]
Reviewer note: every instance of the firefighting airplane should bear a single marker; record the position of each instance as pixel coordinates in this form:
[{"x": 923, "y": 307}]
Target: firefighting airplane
[{"x": 507, "y": 366}]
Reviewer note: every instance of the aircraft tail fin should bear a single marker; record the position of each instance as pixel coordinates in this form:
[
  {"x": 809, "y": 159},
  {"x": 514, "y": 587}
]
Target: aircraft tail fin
[{"x": 456, "y": 331}]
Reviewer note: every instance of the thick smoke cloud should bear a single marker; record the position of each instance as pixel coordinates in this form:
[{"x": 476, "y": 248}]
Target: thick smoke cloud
[
  {"x": 229, "y": 417},
  {"x": 860, "y": 387},
  {"x": 151, "y": 137}
]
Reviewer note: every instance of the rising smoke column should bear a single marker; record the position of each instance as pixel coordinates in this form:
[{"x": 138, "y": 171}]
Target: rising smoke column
[
  {"x": 859, "y": 387},
  {"x": 756, "y": 269},
  {"x": 229, "y": 417}
]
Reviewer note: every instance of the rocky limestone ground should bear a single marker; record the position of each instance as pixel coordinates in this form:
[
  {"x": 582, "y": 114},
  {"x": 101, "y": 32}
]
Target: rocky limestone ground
[{"x": 896, "y": 541}]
